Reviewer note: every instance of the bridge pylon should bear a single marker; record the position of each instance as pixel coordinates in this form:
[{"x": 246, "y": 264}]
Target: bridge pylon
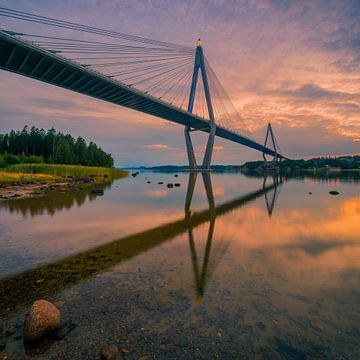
[
  {"x": 271, "y": 137},
  {"x": 199, "y": 65}
]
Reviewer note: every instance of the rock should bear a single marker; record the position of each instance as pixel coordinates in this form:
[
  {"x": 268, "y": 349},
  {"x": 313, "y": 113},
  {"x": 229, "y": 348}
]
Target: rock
[
  {"x": 310, "y": 193},
  {"x": 334, "y": 192},
  {"x": 149, "y": 182},
  {"x": 176, "y": 175},
  {"x": 97, "y": 191},
  {"x": 160, "y": 182},
  {"x": 39, "y": 281},
  {"x": 110, "y": 352},
  {"x": 177, "y": 184},
  {"x": 42, "y": 318},
  {"x": 170, "y": 186}
]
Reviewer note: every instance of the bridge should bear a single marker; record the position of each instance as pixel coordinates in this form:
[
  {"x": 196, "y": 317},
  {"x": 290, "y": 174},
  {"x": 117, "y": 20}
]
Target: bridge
[{"x": 169, "y": 81}]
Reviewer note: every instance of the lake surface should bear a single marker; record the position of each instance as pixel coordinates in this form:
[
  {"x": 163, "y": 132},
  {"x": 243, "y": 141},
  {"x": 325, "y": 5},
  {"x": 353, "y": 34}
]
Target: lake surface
[{"x": 223, "y": 267}]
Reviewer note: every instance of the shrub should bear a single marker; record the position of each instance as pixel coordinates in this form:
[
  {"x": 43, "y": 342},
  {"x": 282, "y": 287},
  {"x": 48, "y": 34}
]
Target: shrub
[{"x": 11, "y": 159}]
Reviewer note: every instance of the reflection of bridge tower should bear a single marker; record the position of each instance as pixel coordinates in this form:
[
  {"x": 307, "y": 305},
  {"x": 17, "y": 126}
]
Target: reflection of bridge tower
[
  {"x": 200, "y": 275},
  {"x": 200, "y": 65},
  {"x": 270, "y": 202}
]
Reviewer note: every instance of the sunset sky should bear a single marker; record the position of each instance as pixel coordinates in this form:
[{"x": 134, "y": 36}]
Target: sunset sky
[{"x": 295, "y": 64}]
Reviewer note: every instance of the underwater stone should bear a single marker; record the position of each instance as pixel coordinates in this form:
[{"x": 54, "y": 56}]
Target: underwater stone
[{"x": 110, "y": 352}]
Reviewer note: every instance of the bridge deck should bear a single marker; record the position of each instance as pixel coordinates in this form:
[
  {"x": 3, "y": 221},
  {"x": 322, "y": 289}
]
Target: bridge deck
[{"x": 27, "y": 59}]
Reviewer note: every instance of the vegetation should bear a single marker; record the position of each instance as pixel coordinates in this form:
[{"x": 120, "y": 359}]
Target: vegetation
[
  {"x": 11, "y": 178},
  {"x": 64, "y": 170},
  {"x": 51, "y": 172},
  {"x": 342, "y": 162},
  {"x": 37, "y": 146}
]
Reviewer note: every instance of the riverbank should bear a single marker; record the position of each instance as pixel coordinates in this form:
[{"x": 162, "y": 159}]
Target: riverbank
[{"x": 29, "y": 180}]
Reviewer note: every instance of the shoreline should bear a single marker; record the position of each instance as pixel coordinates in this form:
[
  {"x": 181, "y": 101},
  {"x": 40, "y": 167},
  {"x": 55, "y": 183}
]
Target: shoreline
[{"x": 32, "y": 190}]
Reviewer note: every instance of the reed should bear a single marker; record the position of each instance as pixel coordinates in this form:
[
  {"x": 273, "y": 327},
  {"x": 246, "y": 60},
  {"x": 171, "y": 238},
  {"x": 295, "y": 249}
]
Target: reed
[{"x": 54, "y": 172}]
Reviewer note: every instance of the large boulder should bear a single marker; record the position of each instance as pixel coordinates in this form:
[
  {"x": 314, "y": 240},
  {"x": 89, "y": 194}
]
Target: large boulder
[{"x": 42, "y": 318}]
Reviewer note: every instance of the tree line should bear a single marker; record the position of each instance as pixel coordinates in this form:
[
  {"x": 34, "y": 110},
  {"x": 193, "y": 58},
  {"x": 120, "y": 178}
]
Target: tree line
[
  {"x": 53, "y": 147},
  {"x": 341, "y": 162}
]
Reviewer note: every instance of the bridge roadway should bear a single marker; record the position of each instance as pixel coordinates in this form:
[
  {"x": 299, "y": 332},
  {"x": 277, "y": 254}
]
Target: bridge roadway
[{"x": 27, "y": 59}]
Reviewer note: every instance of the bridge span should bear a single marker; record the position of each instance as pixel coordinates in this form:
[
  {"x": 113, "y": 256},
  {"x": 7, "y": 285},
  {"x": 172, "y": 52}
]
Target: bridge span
[{"x": 28, "y": 59}]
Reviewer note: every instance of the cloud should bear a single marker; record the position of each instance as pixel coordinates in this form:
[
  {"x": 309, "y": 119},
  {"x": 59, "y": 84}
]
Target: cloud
[
  {"x": 157, "y": 146},
  {"x": 315, "y": 92},
  {"x": 292, "y": 63}
]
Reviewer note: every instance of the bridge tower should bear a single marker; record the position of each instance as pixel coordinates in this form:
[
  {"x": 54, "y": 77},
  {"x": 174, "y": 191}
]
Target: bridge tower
[
  {"x": 272, "y": 139},
  {"x": 199, "y": 65}
]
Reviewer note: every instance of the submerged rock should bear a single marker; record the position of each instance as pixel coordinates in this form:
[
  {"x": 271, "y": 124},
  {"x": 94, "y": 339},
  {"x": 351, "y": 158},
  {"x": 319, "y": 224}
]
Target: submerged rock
[
  {"x": 97, "y": 191},
  {"x": 110, "y": 352},
  {"x": 42, "y": 318},
  {"x": 334, "y": 192}
]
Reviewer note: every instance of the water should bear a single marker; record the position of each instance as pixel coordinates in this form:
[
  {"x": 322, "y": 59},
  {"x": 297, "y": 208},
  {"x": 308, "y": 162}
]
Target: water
[{"x": 241, "y": 268}]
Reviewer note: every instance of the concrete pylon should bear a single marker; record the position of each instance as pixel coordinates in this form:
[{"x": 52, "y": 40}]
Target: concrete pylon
[
  {"x": 199, "y": 64},
  {"x": 269, "y": 131}
]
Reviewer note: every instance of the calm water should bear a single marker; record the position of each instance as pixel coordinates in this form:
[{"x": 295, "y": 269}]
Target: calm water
[{"x": 238, "y": 268}]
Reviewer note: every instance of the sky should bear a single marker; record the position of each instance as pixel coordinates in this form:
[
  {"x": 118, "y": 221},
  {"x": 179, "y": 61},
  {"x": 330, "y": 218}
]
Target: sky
[{"x": 295, "y": 64}]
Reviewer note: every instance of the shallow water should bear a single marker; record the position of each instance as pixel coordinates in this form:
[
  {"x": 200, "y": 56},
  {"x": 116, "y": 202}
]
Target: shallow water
[{"x": 240, "y": 268}]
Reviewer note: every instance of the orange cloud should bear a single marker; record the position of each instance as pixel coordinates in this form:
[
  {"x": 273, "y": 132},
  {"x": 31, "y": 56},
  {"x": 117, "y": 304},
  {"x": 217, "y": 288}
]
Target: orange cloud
[{"x": 157, "y": 146}]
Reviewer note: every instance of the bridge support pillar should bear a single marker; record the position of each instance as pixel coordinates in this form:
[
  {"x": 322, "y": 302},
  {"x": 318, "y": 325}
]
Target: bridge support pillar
[
  {"x": 190, "y": 149},
  {"x": 200, "y": 65},
  {"x": 269, "y": 131}
]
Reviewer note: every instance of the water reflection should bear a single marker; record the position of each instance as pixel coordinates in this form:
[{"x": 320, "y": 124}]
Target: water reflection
[
  {"x": 21, "y": 289},
  {"x": 201, "y": 272},
  {"x": 50, "y": 203}
]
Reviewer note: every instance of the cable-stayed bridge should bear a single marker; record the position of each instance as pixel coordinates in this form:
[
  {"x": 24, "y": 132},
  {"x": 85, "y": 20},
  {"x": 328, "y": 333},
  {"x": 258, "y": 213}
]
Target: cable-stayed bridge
[{"x": 169, "y": 81}]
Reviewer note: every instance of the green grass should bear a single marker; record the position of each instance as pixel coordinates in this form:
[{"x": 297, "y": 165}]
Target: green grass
[{"x": 50, "y": 172}]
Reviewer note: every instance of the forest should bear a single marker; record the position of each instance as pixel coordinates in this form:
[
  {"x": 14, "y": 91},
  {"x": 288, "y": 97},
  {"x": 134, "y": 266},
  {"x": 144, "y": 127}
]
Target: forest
[{"x": 52, "y": 147}]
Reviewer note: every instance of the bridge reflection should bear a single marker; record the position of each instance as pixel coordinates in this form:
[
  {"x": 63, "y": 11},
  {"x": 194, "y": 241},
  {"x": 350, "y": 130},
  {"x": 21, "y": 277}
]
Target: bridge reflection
[
  {"x": 21, "y": 289},
  {"x": 201, "y": 272}
]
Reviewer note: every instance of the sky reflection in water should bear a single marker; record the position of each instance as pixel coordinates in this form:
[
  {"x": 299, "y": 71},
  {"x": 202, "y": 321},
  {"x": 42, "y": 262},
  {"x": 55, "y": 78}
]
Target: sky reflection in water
[{"x": 238, "y": 265}]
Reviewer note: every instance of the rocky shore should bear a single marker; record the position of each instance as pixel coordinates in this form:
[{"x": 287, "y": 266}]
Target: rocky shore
[{"x": 32, "y": 189}]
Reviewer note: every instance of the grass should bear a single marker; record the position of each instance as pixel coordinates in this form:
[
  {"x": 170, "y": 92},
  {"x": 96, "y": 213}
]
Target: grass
[
  {"x": 54, "y": 172},
  {"x": 15, "y": 177}
]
